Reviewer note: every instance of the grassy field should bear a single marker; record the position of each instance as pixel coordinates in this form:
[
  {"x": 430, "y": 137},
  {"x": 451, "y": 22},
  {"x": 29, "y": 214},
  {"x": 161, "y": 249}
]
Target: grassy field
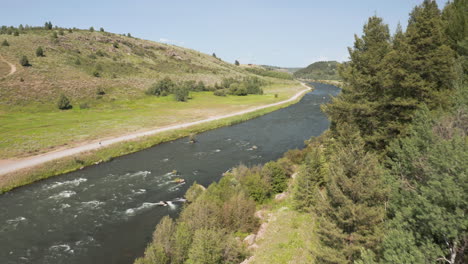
[{"x": 31, "y": 131}]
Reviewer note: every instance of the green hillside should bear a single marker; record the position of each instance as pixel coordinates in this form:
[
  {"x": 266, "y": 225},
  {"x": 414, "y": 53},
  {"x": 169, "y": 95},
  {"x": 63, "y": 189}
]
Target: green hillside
[
  {"x": 321, "y": 70},
  {"x": 79, "y": 62}
]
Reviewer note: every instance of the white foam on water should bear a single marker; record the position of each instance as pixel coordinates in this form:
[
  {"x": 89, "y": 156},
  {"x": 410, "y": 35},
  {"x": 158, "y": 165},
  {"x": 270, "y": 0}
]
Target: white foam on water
[
  {"x": 165, "y": 160},
  {"x": 64, "y": 206},
  {"x": 171, "y": 205},
  {"x": 88, "y": 240},
  {"x": 64, "y": 194},
  {"x": 139, "y": 191},
  {"x": 180, "y": 200},
  {"x": 217, "y": 150},
  {"x": 143, "y": 207},
  {"x": 74, "y": 182},
  {"x": 61, "y": 248},
  {"x": 92, "y": 204},
  {"x": 14, "y": 222},
  {"x": 138, "y": 173},
  {"x": 176, "y": 187}
]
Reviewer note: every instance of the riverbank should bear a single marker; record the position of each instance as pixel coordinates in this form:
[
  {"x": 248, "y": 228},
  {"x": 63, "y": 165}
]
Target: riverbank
[{"x": 44, "y": 166}]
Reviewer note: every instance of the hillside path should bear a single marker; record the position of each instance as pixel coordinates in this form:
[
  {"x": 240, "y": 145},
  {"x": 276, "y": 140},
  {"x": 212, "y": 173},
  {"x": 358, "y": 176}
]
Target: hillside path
[
  {"x": 12, "y": 66},
  {"x": 9, "y": 166}
]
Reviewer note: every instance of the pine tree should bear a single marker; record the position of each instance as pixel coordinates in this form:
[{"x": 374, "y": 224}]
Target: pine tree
[
  {"x": 237, "y": 63},
  {"x": 363, "y": 88},
  {"x": 429, "y": 58},
  {"x": 101, "y": 29},
  {"x": 352, "y": 212},
  {"x": 214, "y": 55},
  {"x": 91, "y": 29}
]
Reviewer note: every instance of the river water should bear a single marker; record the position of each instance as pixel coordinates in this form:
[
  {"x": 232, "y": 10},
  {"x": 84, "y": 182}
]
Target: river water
[{"x": 106, "y": 213}]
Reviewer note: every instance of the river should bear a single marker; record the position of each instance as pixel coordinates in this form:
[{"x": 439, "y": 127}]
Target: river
[{"x": 107, "y": 213}]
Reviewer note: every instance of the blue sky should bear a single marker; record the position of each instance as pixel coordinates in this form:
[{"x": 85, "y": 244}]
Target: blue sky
[{"x": 285, "y": 33}]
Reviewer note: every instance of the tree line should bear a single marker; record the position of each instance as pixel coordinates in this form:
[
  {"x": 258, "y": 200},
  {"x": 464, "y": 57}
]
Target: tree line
[{"x": 388, "y": 182}]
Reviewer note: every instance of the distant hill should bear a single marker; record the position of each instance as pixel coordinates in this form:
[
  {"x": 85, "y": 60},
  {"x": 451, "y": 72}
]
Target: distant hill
[
  {"x": 321, "y": 70},
  {"x": 80, "y": 62},
  {"x": 284, "y": 69}
]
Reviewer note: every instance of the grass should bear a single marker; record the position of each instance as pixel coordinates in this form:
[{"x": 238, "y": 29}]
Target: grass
[
  {"x": 288, "y": 238},
  {"x": 57, "y": 167},
  {"x": 32, "y": 130},
  {"x": 4, "y": 69}
]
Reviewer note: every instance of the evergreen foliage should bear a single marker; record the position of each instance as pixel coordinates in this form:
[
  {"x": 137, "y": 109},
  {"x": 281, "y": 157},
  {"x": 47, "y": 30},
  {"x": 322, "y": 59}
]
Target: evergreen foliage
[{"x": 5, "y": 43}]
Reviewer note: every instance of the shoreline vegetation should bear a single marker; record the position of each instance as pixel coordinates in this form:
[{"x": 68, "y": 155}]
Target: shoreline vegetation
[{"x": 67, "y": 164}]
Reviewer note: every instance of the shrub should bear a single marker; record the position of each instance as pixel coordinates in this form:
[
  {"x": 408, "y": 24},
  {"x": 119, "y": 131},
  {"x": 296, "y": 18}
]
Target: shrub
[
  {"x": 96, "y": 73},
  {"x": 39, "y": 52},
  {"x": 194, "y": 192},
  {"x": 129, "y": 35},
  {"x": 221, "y": 92},
  {"x": 24, "y": 61},
  {"x": 54, "y": 35},
  {"x": 100, "y": 91},
  {"x": 61, "y": 33},
  {"x": 77, "y": 61},
  {"x": 101, "y": 29},
  {"x": 276, "y": 176},
  {"x": 70, "y": 30},
  {"x": 64, "y": 103},
  {"x": 237, "y": 63},
  {"x": 116, "y": 45},
  {"x": 5, "y": 43},
  {"x": 181, "y": 92},
  {"x": 16, "y": 33},
  {"x": 91, "y": 29},
  {"x": 161, "y": 88}
]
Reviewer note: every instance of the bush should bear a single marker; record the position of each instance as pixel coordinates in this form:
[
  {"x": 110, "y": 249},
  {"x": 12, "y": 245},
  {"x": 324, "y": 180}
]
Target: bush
[
  {"x": 237, "y": 63},
  {"x": 276, "y": 176},
  {"x": 100, "y": 91},
  {"x": 116, "y": 45},
  {"x": 54, "y": 35},
  {"x": 161, "y": 88},
  {"x": 64, "y": 103},
  {"x": 16, "y": 33},
  {"x": 96, "y": 74},
  {"x": 181, "y": 92},
  {"x": 221, "y": 92},
  {"x": 5, "y": 43},
  {"x": 101, "y": 29},
  {"x": 24, "y": 61},
  {"x": 91, "y": 29},
  {"x": 77, "y": 61},
  {"x": 39, "y": 52}
]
